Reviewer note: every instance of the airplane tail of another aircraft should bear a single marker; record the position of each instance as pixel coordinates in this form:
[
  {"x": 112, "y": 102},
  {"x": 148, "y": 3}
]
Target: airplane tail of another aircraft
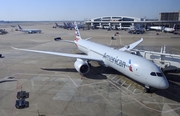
[
  {"x": 78, "y": 36},
  {"x": 65, "y": 25},
  {"x": 174, "y": 26},
  {"x": 20, "y": 27},
  {"x": 56, "y": 24}
]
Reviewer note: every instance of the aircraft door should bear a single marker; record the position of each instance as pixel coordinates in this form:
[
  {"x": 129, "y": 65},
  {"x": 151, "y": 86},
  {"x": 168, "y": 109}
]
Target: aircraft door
[{"x": 137, "y": 70}]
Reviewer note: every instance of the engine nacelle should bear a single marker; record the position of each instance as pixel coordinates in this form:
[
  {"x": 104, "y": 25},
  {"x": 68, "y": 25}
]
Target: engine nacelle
[
  {"x": 30, "y": 32},
  {"x": 81, "y": 66}
]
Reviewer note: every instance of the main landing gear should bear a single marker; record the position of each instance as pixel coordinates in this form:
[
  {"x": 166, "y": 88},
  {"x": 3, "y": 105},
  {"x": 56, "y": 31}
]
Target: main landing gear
[
  {"x": 89, "y": 65},
  {"x": 147, "y": 90}
]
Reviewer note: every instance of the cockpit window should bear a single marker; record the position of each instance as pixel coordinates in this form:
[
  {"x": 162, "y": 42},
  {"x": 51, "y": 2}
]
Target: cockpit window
[
  {"x": 159, "y": 74},
  {"x": 153, "y": 74}
]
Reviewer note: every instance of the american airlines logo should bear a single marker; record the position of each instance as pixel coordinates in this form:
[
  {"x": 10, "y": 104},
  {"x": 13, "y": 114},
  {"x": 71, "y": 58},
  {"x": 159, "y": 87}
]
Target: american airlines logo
[
  {"x": 77, "y": 39},
  {"x": 130, "y": 67},
  {"x": 76, "y": 30},
  {"x": 114, "y": 60}
]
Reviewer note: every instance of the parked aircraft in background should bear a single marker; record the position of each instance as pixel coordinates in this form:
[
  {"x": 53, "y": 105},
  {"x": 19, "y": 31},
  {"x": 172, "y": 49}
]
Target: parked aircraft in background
[
  {"x": 13, "y": 26},
  {"x": 135, "y": 67},
  {"x": 136, "y": 30},
  {"x": 125, "y": 28},
  {"x": 30, "y": 31},
  {"x": 58, "y": 25},
  {"x": 99, "y": 27},
  {"x": 170, "y": 30},
  {"x": 157, "y": 28},
  {"x": 162, "y": 28},
  {"x": 70, "y": 26}
]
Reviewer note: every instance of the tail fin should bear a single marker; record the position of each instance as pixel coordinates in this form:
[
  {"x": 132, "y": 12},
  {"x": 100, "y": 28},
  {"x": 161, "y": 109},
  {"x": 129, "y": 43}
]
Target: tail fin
[
  {"x": 78, "y": 36},
  {"x": 19, "y": 27},
  {"x": 66, "y": 25},
  {"x": 69, "y": 25},
  {"x": 56, "y": 24},
  {"x": 174, "y": 26}
]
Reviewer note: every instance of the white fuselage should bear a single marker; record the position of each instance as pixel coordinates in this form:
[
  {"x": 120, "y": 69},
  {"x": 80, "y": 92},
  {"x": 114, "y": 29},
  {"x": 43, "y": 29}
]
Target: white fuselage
[
  {"x": 31, "y": 30},
  {"x": 158, "y": 28},
  {"x": 166, "y": 29},
  {"x": 135, "y": 67}
]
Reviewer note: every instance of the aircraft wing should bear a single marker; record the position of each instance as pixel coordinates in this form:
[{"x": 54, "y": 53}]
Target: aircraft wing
[
  {"x": 131, "y": 46},
  {"x": 69, "y": 41},
  {"x": 84, "y": 57}
]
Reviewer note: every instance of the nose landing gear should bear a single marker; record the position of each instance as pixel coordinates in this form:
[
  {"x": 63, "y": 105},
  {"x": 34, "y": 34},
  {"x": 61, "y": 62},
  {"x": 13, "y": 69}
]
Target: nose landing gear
[{"x": 147, "y": 89}]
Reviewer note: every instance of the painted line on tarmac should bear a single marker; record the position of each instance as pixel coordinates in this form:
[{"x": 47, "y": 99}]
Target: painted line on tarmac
[{"x": 144, "y": 104}]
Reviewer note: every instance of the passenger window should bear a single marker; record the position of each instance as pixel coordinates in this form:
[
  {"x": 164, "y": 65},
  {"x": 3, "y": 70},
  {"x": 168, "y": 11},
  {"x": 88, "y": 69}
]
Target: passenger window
[
  {"x": 153, "y": 73},
  {"x": 159, "y": 74}
]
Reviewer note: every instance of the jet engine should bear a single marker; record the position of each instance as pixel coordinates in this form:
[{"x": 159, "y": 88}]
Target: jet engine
[
  {"x": 81, "y": 66},
  {"x": 30, "y": 32}
]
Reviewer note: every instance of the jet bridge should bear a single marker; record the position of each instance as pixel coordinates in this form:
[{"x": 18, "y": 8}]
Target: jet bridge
[{"x": 162, "y": 59}]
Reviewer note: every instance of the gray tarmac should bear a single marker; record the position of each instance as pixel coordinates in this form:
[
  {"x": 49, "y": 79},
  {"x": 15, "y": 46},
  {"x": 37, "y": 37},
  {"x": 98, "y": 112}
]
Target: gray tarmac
[{"x": 56, "y": 89}]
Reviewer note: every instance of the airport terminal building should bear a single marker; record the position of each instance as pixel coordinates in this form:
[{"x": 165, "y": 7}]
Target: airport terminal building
[
  {"x": 123, "y": 22},
  {"x": 171, "y": 16},
  {"x": 119, "y": 22}
]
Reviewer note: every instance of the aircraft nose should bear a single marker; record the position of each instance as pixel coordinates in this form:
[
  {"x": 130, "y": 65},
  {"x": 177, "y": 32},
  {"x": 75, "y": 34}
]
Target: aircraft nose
[{"x": 164, "y": 84}]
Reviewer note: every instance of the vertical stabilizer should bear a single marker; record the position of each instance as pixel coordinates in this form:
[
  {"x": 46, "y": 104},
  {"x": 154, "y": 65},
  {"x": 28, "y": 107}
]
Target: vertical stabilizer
[
  {"x": 56, "y": 24},
  {"x": 65, "y": 26},
  {"x": 20, "y": 28},
  {"x": 78, "y": 36},
  {"x": 174, "y": 26}
]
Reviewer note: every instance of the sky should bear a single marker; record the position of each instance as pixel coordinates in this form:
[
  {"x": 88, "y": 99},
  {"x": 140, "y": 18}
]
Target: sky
[{"x": 58, "y": 10}]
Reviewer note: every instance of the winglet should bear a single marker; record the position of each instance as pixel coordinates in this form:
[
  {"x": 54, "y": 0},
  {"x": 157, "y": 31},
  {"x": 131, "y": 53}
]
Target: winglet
[{"x": 14, "y": 48}]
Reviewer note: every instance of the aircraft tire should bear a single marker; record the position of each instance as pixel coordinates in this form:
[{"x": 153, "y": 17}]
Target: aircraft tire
[
  {"x": 146, "y": 90},
  {"x": 89, "y": 65}
]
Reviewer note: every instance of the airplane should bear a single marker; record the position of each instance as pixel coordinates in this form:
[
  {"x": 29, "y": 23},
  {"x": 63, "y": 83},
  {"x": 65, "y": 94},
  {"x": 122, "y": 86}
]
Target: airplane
[
  {"x": 13, "y": 26},
  {"x": 71, "y": 26},
  {"x": 124, "y": 28},
  {"x": 58, "y": 25},
  {"x": 157, "y": 28},
  {"x": 65, "y": 26},
  {"x": 135, "y": 67},
  {"x": 170, "y": 30},
  {"x": 30, "y": 31},
  {"x": 99, "y": 26}
]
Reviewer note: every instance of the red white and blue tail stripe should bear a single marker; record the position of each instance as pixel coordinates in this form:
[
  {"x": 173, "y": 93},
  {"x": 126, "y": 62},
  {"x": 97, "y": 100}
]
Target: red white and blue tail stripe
[{"x": 78, "y": 36}]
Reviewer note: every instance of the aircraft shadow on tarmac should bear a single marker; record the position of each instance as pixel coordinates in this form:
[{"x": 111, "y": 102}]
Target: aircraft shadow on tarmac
[
  {"x": 173, "y": 76},
  {"x": 4, "y": 81},
  {"x": 173, "y": 92},
  {"x": 60, "y": 69},
  {"x": 94, "y": 73}
]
